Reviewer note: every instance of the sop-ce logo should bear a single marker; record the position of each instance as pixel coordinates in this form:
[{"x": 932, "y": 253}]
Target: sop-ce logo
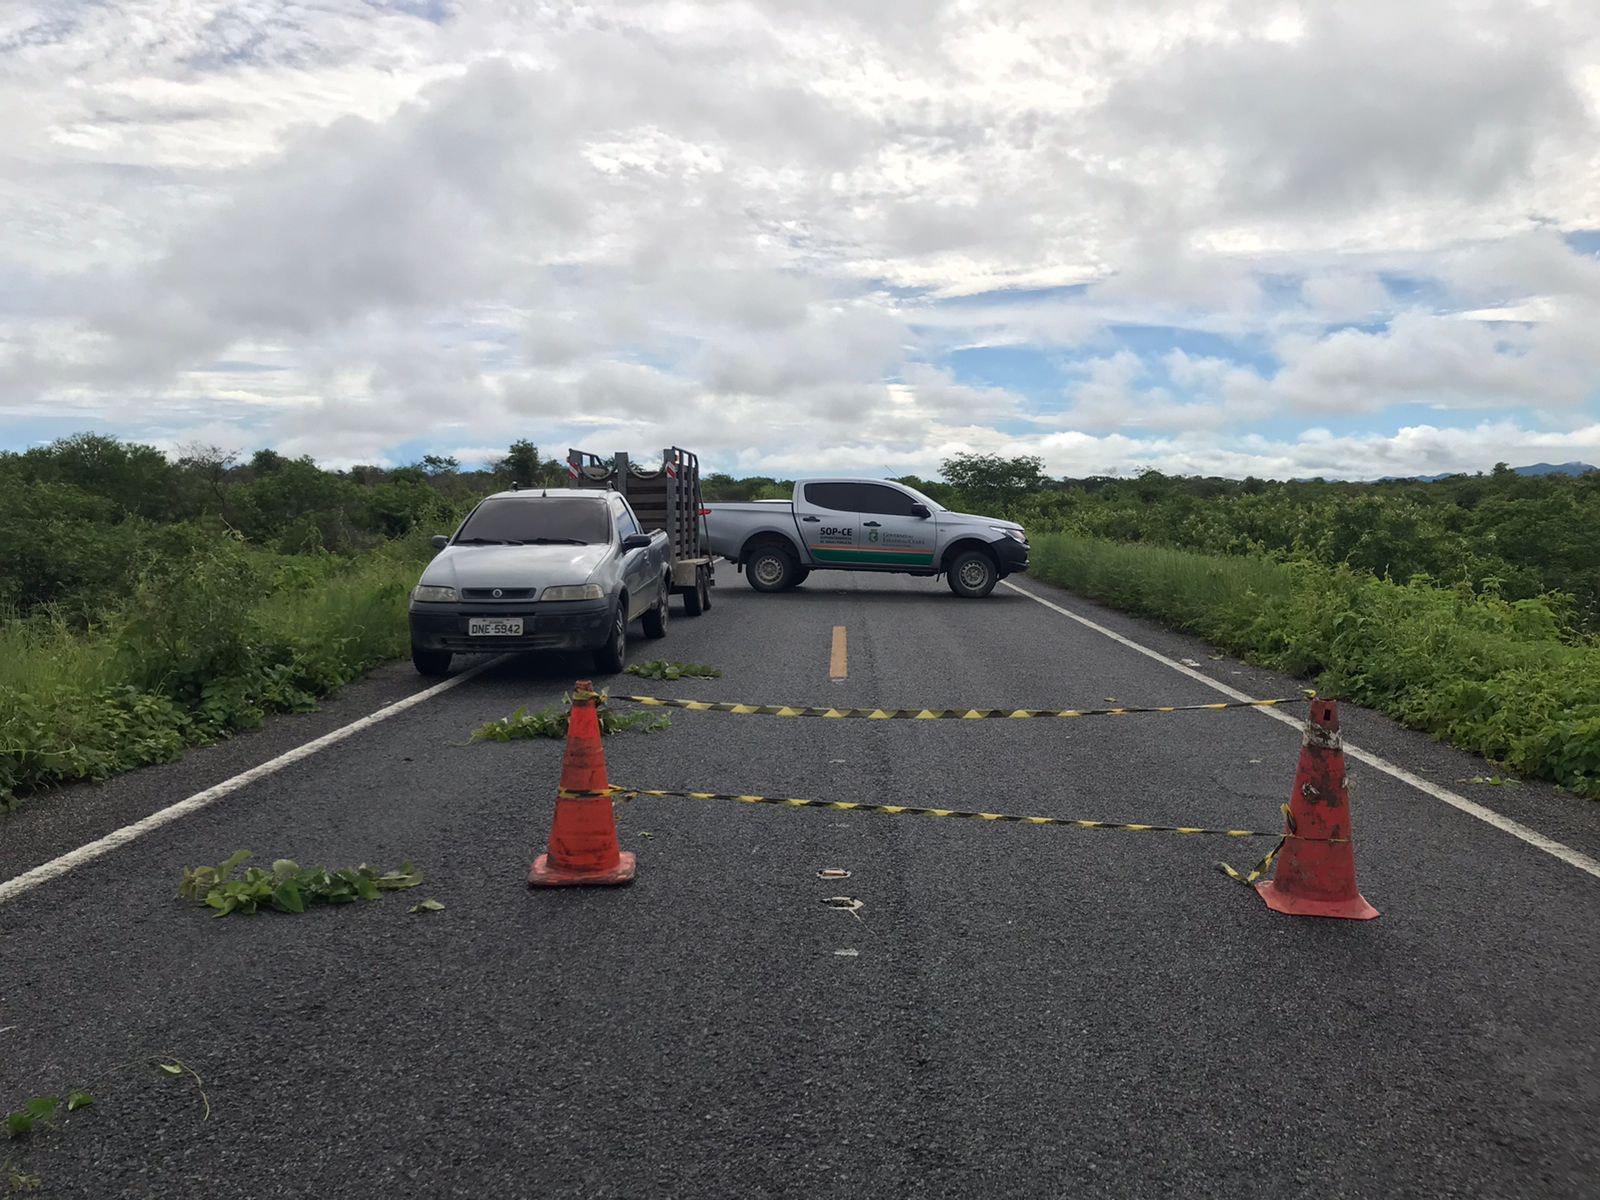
[{"x": 835, "y": 531}]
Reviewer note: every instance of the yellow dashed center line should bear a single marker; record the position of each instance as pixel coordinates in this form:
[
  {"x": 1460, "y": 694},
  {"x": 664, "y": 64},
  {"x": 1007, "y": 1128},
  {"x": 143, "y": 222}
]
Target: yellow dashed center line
[{"x": 839, "y": 658}]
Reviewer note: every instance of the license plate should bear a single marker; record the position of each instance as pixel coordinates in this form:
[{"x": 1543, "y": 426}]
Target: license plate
[{"x": 494, "y": 626}]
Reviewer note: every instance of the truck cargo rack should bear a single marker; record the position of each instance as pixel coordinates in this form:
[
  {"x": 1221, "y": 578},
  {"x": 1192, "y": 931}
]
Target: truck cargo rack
[{"x": 665, "y": 497}]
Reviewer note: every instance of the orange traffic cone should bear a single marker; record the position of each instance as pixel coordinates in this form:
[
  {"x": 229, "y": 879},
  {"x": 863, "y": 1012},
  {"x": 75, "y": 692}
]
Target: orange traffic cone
[
  {"x": 1316, "y": 874},
  {"x": 583, "y": 839}
]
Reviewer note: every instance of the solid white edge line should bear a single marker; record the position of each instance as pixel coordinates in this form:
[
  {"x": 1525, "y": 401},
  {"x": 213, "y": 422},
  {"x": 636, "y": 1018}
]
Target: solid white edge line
[
  {"x": 1472, "y": 808},
  {"x": 90, "y": 851}
]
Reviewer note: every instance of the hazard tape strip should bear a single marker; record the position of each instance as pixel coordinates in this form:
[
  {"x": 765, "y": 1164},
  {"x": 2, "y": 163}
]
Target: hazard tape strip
[
  {"x": 942, "y": 714},
  {"x": 1248, "y": 878},
  {"x": 898, "y": 810}
]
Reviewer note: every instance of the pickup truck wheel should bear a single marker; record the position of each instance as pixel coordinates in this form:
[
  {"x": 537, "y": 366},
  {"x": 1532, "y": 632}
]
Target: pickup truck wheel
[
  {"x": 972, "y": 574},
  {"x": 612, "y": 656},
  {"x": 800, "y": 576},
  {"x": 696, "y": 602},
  {"x": 655, "y": 621},
  {"x": 771, "y": 569},
  {"x": 430, "y": 662}
]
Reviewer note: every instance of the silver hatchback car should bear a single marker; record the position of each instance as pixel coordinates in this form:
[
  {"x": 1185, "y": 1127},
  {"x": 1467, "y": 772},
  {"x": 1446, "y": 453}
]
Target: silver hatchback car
[{"x": 541, "y": 569}]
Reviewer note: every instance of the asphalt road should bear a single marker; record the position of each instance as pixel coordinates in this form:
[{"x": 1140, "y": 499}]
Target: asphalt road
[{"x": 1027, "y": 1011}]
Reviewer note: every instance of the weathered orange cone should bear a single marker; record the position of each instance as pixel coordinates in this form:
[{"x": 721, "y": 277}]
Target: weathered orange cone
[
  {"x": 583, "y": 838},
  {"x": 1316, "y": 874}
]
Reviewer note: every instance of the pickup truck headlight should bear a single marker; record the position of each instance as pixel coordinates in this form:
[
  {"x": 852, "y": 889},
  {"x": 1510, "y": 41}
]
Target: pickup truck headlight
[
  {"x": 432, "y": 593},
  {"x": 573, "y": 591},
  {"x": 1018, "y": 534}
]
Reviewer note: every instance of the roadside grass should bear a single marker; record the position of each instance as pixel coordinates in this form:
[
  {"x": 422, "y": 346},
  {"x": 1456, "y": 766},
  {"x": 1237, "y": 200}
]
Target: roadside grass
[
  {"x": 1506, "y": 679},
  {"x": 200, "y": 649},
  {"x": 38, "y": 652}
]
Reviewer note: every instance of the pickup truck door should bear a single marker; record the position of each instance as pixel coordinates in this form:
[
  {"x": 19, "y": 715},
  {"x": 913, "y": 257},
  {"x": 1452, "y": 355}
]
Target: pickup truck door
[
  {"x": 892, "y": 536},
  {"x": 638, "y": 566},
  {"x": 829, "y": 526}
]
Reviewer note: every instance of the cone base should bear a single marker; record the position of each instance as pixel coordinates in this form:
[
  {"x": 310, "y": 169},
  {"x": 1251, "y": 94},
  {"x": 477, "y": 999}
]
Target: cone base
[
  {"x": 1354, "y": 909},
  {"x": 542, "y": 874}
]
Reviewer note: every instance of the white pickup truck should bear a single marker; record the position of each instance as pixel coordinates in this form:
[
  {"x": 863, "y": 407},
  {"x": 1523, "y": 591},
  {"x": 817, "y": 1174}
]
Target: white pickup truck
[{"x": 863, "y": 525}]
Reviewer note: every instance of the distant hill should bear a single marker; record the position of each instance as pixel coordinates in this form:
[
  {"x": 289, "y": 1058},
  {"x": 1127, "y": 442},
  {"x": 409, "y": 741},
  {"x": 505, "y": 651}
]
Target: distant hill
[{"x": 1566, "y": 468}]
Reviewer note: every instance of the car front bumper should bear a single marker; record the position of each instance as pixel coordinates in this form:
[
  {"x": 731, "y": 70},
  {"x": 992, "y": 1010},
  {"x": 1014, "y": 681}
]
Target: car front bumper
[
  {"x": 562, "y": 625},
  {"x": 1012, "y": 556}
]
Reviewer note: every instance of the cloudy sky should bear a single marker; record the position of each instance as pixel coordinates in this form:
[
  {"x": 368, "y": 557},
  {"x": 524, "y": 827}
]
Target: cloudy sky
[{"x": 1231, "y": 237}]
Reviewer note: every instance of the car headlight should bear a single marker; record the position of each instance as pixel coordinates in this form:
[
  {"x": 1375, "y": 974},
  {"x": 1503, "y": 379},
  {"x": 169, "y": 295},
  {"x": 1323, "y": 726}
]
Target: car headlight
[
  {"x": 573, "y": 591},
  {"x": 1018, "y": 534},
  {"x": 429, "y": 592}
]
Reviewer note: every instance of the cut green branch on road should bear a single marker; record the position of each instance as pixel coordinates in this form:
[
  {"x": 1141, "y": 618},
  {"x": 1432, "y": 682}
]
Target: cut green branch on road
[
  {"x": 48, "y": 1114},
  {"x": 662, "y": 669},
  {"x": 287, "y": 887},
  {"x": 552, "y": 723}
]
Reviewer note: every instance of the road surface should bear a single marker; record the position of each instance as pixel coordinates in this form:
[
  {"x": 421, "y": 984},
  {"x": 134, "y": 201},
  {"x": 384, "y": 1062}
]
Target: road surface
[{"x": 1014, "y": 1011}]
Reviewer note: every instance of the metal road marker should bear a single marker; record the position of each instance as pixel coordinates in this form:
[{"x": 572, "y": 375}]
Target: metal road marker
[
  {"x": 1472, "y": 808},
  {"x": 839, "y": 658},
  {"x": 56, "y": 867}
]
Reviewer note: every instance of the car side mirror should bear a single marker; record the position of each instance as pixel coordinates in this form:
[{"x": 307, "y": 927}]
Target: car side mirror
[
  {"x": 440, "y": 541},
  {"x": 921, "y": 510},
  {"x": 636, "y": 541}
]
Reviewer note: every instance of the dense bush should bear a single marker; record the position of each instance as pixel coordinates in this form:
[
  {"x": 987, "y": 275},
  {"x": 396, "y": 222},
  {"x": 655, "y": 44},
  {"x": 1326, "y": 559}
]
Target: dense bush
[
  {"x": 148, "y": 602},
  {"x": 1501, "y": 534},
  {"x": 85, "y": 519},
  {"x": 1503, "y": 678},
  {"x": 196, "y": 653}
]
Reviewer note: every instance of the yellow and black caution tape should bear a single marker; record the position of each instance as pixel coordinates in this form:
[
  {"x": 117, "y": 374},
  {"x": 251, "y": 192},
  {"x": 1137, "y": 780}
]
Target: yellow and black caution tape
[
  {"x": 897, "y": 810},
  {"x": 1248, "y": 878},
  {"x": 943, "y": 714}
]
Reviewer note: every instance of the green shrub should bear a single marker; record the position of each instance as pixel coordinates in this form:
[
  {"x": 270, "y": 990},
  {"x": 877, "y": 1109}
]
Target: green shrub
[
  {"x": 204, "y": 646},
  {"x": 189, "y": 623},
  {"x": 1503, "y": 678}
]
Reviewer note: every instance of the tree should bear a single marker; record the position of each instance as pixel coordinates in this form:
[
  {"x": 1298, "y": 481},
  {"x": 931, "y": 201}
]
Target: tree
[
  {"x": 208, "y": 467},
  {"x": 521, "y": 464},
  {"x": 993, "y": 479},
  {"x": 133, "y": 476},
  {"x": 265, "y": 462},
  {"x": 439, "y": 464}
]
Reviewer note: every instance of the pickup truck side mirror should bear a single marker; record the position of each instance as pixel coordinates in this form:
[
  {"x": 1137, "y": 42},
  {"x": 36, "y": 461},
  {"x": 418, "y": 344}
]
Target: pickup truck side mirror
[
  {"x": 920, "y": 510},
  {"x": 440, "y": 541},
  {"x": 636, "y": 541}
]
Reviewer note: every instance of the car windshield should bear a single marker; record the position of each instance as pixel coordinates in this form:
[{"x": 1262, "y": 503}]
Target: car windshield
[{"x": 537, "y": 520}]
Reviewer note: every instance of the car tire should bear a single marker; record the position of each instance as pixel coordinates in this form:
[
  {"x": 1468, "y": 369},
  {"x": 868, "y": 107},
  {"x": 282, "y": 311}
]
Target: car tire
[
  {"x": 800, "y": 576},
  {"x": 696, "y": 601},
  {"x": 771, "y": 569},
  {"x": 432, "y": 663},
  {"x": 612, "y": 655},
  {"x": 655, "y": 621},
  {"x": 705, "y": 591},
  {"x": 972, "y": 574}
]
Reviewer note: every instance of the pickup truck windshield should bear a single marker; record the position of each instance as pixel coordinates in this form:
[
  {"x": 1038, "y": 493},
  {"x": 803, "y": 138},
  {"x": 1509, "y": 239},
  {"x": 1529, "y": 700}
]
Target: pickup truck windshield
[{"x": 537, "y": 520}]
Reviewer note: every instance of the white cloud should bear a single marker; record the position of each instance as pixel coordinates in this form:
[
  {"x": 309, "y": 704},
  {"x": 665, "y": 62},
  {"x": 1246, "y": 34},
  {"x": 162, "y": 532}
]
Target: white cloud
[{"x": 350, "y": 226}]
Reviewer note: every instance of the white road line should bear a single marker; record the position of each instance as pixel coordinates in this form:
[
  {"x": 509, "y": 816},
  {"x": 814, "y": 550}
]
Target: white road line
[
  {"x": 58, "y": 867},
  {"x": 1472, "y": 808}
]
